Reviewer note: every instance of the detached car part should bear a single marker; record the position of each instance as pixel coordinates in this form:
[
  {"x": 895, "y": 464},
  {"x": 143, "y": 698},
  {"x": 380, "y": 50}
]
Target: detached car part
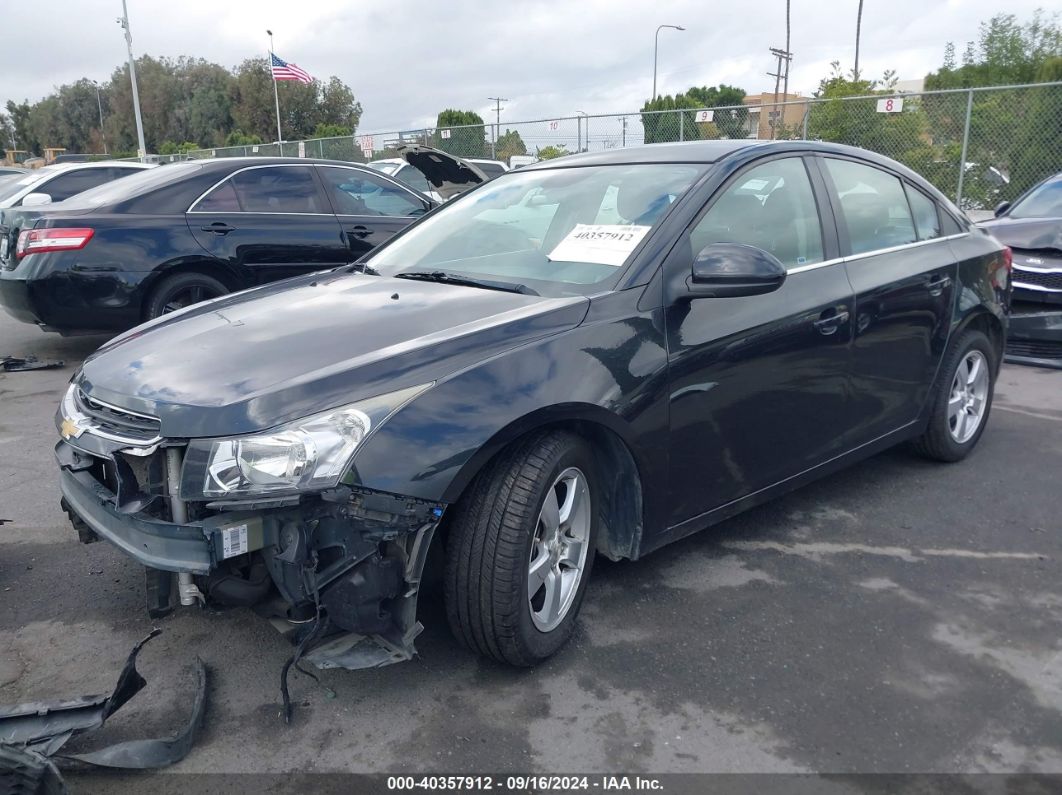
[{"x": 32, "y": 734}]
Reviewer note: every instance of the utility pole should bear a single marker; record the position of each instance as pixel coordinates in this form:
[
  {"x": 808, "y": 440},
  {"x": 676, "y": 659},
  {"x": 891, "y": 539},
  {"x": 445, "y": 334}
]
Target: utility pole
[
  {"x": 276, "y": 94},
  {"x": 789, "y": 53},
  {"x": 124, "y": 22},
  {"x": 99, "y": 104},
  {"x": 783, "y": 57},
  {"x": 497, "y": 123},
  {"x": 859, "y": 25}
]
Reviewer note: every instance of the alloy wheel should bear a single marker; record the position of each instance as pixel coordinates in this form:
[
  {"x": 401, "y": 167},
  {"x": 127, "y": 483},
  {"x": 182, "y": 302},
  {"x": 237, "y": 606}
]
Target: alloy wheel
[{"x": 968, "y": 399}]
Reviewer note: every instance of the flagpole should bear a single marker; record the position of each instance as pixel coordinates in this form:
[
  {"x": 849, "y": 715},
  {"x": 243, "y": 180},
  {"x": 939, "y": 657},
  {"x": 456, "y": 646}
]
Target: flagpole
[{"x": 276, "y": 95}]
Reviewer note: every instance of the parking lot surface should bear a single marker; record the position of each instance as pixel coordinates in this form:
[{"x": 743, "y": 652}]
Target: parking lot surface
[{"x": 901, "y": 616}]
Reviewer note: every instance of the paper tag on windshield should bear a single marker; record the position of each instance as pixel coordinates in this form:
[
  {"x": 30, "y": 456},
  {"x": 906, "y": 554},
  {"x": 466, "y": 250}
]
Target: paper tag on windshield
[
  {"x": 233, "y": 540},
  {"x": 603, "y": 244}
]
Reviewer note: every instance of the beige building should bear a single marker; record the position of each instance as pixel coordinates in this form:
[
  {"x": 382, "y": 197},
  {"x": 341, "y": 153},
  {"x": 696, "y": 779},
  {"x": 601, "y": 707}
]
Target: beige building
[{"x": 767, "y": 112}]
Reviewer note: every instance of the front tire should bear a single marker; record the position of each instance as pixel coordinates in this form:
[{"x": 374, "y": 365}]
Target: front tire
[
  {"x": 521, "y": 548},
  {"x": 962, "y": 401}
]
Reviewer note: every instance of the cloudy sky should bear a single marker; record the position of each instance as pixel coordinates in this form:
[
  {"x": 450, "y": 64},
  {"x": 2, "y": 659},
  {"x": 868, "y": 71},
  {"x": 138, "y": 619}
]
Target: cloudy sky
[{"x": 407, "y": 60}]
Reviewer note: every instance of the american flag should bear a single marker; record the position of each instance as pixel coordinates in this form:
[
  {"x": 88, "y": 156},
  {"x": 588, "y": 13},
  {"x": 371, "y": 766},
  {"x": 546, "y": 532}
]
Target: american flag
[{"x": 282, "y": 70}]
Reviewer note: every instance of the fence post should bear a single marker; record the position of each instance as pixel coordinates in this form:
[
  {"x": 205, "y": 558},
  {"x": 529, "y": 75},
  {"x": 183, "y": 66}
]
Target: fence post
[
  {"x": 807, "y": 112},
  {"x": 320, "y": 147},
  {"x": 965, "y": 143}
]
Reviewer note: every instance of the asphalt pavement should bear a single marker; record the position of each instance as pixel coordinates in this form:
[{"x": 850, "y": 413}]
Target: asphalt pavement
[{"x": 902, "y": 616}]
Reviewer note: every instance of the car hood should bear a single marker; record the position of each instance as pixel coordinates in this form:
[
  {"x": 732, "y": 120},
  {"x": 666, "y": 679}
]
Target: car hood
[
  {"x": 448, "y": 174},
  {"x": 276, "y": 353},
  {"x": 1027, "y": 233}
]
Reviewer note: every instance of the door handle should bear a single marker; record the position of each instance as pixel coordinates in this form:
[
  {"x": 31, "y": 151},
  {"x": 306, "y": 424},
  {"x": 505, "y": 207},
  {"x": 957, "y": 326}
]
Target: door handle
[
  {"x": 218, "y": 228},
  {"x": 360, "y": 231},
  {"x": 936, "y": 284},
  {"x": 830, "y": 321}
]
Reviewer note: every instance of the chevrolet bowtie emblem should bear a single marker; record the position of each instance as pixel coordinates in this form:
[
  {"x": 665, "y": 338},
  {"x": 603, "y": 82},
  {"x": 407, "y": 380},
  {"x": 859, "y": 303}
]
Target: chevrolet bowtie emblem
[{"x": 69, "y": 429}]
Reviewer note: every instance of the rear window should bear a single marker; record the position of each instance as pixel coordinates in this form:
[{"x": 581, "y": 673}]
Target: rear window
[{"x": 136, "y": 184}]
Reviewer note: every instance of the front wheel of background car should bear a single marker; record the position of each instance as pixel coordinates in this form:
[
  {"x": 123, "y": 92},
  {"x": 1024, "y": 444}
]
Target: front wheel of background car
[
  {"x": 962, "y": 401},
  {"x": 181, "y": 290},
  {"x": 520, "y": 549}
]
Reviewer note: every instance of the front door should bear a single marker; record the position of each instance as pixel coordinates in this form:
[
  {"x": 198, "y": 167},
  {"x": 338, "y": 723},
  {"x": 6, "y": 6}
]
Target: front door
[
  {"x": 904, "y": 274},
  {"x": 269, "y": 222},
  {"x": 757, "y": 384},
  {"x": 371, "y": 208}
]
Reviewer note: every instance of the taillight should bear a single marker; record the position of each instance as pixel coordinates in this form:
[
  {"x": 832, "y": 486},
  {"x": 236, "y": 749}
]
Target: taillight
[
  {"x": 1001, "y": 275},
  {"x": 1008, "y": 259},
  {"x": 38, "y": 241}
]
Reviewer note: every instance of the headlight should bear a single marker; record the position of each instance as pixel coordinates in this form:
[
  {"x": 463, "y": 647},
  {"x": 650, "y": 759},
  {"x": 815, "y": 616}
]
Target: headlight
[{"x": 310, "y": 454}]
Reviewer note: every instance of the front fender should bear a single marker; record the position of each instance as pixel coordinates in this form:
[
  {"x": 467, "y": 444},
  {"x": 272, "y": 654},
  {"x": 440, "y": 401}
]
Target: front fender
[{"x": 610, "y": 371}]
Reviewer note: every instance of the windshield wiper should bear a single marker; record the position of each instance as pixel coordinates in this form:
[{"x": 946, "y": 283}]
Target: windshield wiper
[{"x": 467, "y": 281}]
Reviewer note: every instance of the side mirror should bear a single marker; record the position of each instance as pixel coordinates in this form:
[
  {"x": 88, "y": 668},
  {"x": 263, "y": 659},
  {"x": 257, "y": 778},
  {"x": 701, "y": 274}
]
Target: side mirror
[
  {"x": 730, "y": 270},
  {"x": 34, "y": 199},
  {"x": 1001, "y": 208}
]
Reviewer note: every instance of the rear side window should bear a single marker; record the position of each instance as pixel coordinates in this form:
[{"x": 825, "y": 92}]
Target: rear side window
[
  {"x": 873, "y": 206},
  {"x": 276, "y": 189},
  {"x": 927, "y": 222},
  {"x": 770, "y": 206},
  {"x": 73, "y": 182}
]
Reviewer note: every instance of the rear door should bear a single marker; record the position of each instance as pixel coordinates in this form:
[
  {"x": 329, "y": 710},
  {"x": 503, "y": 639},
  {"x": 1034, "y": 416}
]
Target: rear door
[
  {"x": 269, "y": 222},
  {"x": 904, "y": 274},
  {"x": 371, "y": 208},
  {"x": 758, "y": 384}
]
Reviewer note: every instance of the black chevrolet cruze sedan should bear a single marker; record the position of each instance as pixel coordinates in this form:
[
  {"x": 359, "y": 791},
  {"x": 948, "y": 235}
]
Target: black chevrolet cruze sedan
[
  {"x": 160, "y": 240},
  {"x": 595, "y": 355}
]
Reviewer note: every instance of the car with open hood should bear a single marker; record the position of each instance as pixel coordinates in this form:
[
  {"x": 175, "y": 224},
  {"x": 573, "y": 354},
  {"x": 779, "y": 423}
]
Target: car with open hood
[
  {"x": 594, "y": 355},
  {"x": 185, "y": 232},
  {"x": 1032, "y": 226}
]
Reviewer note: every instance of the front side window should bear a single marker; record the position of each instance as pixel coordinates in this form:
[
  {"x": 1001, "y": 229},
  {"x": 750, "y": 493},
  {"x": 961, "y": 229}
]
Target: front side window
[
  {"x": 275, "y": 189},
  {"x": 927, "y": 222},
  {"x": 873, "y": 207},
  {"x": 357, "y": 193},
  {"x": 557, "y": 230},
  {"x": 770, "y": 206}
]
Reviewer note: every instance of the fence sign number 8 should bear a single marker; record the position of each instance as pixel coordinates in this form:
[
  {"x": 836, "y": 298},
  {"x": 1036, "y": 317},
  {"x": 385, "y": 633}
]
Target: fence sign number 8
[{"x": 890, "y": 105}]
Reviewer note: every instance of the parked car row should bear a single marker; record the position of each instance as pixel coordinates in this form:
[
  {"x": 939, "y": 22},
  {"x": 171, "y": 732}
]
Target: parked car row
[{"x": 598, "y": 354}]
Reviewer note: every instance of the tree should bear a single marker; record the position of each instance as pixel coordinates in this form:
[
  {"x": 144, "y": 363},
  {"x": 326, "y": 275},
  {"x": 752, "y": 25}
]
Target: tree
[
  {"x": 1038, "y": 150},
  {"x": 460, "y": 132},
  {"x": 550, "y": 152},
  {"x": 660, "y": 125},
  {"x": 171, "y": 148},
  {"x": 239, "y": 138},
  {"x": 323, "y": 130},
  {"x": 508, "y": 144}
]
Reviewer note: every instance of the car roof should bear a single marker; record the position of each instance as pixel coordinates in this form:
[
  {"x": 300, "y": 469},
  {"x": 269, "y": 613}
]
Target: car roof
[{"x": 225, "y": 163}]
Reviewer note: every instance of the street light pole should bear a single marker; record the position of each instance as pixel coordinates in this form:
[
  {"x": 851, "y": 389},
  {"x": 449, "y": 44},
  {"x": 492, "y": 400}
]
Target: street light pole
[
  {"x": 579, "y": 130},
  {"x": 124, "y": 22},
  {"x": 99, "y": 104},
  {"x": 656, "y": 47}
]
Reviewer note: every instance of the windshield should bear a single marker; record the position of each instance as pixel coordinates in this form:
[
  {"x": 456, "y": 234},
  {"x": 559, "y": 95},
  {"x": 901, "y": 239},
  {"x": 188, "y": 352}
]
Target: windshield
[
  {"x": 564, "y": 229},
  {"x": 12, "y": 187},
  {"x": 387, "y": 167},
  {"x": 134, "y": 185},
  {"x": 1044, "y": 201}
]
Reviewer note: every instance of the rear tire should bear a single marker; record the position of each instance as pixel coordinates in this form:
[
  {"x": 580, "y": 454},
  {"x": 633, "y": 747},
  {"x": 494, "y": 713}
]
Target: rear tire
[
  {"x": 521, "y": 548},
  {"x": 962, "y": 400},
  {"x": 181, "y": 290}
]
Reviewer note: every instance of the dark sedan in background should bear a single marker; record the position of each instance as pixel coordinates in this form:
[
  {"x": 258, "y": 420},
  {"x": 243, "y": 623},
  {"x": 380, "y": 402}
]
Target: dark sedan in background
[
  {"x": 1032, "y": 227},
  {"x": 601, "y": 353},
  {"x": 186, "y": 232}
]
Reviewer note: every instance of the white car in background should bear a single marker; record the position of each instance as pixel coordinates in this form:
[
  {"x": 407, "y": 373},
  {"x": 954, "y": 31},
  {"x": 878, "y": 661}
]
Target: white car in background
[
  {"x": 437, "y": 174},
  {"x": 55, "y": 183}
]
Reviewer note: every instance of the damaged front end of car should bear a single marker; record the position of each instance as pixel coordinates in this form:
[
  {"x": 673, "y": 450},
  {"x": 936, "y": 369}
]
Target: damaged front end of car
[{"x": 276, "y": 521}]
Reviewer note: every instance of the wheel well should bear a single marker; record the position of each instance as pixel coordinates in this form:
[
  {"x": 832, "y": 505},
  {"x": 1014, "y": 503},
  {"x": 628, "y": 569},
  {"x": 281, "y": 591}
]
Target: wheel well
[
  {"x": 989, "y": 325},
  {"x": 231, "y": 281},
  {"x": 622, "y": 508}
]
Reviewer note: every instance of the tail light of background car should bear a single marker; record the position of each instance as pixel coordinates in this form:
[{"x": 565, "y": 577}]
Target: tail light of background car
[
  {"x": 38, "y": 241},
  {"x": 1001, "y": 275}
]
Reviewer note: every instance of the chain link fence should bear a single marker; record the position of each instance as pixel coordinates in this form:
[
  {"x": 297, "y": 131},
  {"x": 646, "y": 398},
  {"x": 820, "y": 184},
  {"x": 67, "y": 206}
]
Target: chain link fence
[{"x": 980, "y": 146}]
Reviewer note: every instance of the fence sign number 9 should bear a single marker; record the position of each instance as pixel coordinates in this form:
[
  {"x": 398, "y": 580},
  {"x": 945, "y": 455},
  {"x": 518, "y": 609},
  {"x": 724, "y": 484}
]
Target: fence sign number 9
[
  {"x": 890, "y": 105},
  {"x": 704, "y": 116}
]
